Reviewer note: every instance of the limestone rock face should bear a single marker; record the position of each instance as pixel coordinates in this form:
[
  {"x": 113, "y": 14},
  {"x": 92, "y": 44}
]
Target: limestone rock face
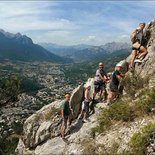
[
  {"x": 41, "y": 125},
  {"x": 45, "y": 123},
  {"x": 148, "y": 65}
]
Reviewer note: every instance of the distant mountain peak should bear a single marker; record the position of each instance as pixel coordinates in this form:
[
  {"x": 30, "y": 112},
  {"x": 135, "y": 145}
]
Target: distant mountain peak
[
  {"x": 20, "y": 47},
  {"x": 17, "y": 37}
]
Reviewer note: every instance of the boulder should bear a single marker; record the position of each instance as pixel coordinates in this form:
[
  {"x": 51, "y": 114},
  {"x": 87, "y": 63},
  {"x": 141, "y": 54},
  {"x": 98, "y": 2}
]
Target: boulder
[
  {"x": 52, "y": 146},
  {"x": 76, "y": 99}
]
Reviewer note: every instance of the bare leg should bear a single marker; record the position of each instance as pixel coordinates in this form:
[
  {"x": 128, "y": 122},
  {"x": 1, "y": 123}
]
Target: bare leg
[
  {"x": 143, "y": 52},
  {"x": 105, "y": 94},
  {"x": 84, "y": 115},
  {"x": 134, "y": 54},
  {"x": 81, "y": 114},
  {"x": 63, "y": 128},
  {"x": 111, "y": 96}
]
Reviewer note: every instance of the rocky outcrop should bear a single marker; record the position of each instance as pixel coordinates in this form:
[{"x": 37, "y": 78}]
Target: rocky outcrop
[
  {"x": 121, "y": 134},
  {"x": 148, "y": 65},
  {"x": 45, "y": 123},
  {"x": 75, "y": 140}
]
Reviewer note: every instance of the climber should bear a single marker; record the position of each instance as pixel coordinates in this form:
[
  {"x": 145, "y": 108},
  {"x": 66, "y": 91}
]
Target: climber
[
  {"x": 109, "y": 76},
  {"x": 100, "y": 82},
  {"x": 85, "y": 104},
  {"x": 138, "y": 50},
  {"x": 65, "y": 112},
  {"x": 114, "y": 83}
]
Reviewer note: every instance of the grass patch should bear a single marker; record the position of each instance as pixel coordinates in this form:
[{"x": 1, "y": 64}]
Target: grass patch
[
  {"x": 90, "y": 147},
  {"x": 139, "y": 141},
  {"x": 48, "y": 115},
  {"x": 145, "y": 103},
  {"x": 51, "y": 113},
  {"x": 126, "y": 110},
  {"x": 119, "y": 111},
  {"x": 134, "y": 82}
]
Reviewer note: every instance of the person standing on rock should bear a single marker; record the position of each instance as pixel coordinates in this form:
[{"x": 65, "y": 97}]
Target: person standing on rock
[
  {"x": 65, "y": 112},
  {"x": 85, "y": 103},
  {"x": 100, "y": 82},
  {"x": 114, "y": 83},
  {"x": 138, "y": 50}
]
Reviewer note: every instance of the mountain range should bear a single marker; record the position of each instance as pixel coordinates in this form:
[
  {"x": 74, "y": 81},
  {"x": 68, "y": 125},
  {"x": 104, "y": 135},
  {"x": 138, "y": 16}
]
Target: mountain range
[
  {"x": 82, "y": 52},
  {"x": 20, "y": 47}
]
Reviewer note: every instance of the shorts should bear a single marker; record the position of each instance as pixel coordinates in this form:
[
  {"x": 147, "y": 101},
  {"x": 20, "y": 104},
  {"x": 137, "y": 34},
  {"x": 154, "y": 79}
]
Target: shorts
[
  {"x": 113, "y": 87},
  {"x": 136, "y": 45},
  {"x": 64, "y": 121},
  {"x": 99, "y": 86},
  {"x": 85, "y": 106}
]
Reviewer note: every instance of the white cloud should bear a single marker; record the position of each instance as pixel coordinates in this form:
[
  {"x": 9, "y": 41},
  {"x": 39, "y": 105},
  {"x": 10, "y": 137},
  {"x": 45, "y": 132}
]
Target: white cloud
[
  {"x": 60, "y": 37},
  {"x": 89, "y": 38},
  {"x": 25, "y": 24},
  {"x": 64, "y": 23},
  {"x": 29, "y": 16}
]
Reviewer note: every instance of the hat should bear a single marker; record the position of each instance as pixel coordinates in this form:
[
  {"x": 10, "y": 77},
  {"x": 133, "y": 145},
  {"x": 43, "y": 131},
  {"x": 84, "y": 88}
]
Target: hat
[{"x": 119, "y": 65}]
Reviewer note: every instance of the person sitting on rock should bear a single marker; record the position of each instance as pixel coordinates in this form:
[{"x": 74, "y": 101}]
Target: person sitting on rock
[
  {"x": 100, "y": 82},
  {"x": 65, "y": 112},
  {"x": 138, "y": 51},
  {"x": 114, "y": 83},
  {"x": 85, "y": 103}
]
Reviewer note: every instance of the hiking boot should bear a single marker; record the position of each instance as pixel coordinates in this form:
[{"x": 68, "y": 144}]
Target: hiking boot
[{"x": 138, "y": 61}]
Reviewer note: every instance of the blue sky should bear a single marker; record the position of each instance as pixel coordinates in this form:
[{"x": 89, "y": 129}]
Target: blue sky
[{"x": 75, "y": 22}]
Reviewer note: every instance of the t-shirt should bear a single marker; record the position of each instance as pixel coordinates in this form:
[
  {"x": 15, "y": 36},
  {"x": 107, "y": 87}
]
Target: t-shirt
[
  {"x": 139, "y": 35},
  {"x": 65, "y": 107},
  {"x": 114, "y": 79},
  {"x": 98, "y": 73}
]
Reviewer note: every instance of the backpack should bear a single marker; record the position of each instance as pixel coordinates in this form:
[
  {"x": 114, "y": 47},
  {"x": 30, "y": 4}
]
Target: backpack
[{"x": 133, "y": 36}]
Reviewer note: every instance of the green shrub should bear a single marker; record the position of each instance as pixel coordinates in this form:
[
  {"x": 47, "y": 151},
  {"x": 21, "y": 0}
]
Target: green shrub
[
  {"x": 12, "y": 87},
  {"x": 146, "y": 102},
  {"x": 119, "y": 111},
  {"x": 8, "y": 146},
  {"x": 133, "y": 82},
  {"x": 18, "y": 128},
  {"x": 126, "y": 110},
  {"x": 139, "y": 140}
]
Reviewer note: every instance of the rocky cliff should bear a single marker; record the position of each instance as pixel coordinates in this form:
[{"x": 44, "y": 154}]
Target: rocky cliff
[{"x": 41, "y": 130}]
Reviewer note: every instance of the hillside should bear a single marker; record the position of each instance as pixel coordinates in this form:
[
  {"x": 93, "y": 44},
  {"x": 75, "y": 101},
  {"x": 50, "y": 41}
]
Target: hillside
[
  {"x": 20, "y": 47},
  {"x": 125, "y": 127},
  {"x": 82, "y": 71},
  {"x": 83, "y": 53}
]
